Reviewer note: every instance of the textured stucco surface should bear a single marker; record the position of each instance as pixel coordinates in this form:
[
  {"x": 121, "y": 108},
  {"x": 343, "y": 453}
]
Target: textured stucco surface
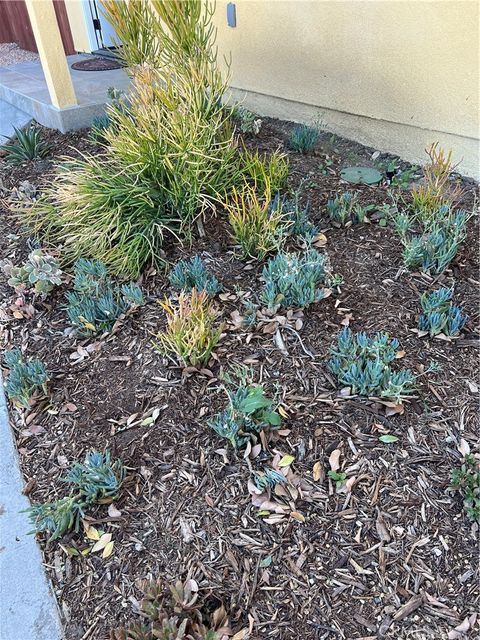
[{"x": 412, "y": 63}]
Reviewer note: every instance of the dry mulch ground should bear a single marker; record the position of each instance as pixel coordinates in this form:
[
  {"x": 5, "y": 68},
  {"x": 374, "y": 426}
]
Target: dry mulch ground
[{"x": 392, "y": 558}]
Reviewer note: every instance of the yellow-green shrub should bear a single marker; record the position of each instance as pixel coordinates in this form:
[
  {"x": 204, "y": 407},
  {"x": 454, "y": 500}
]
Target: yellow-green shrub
[
  {"x": 257, "y": 226},
  {"x": 191, "y": 333}
]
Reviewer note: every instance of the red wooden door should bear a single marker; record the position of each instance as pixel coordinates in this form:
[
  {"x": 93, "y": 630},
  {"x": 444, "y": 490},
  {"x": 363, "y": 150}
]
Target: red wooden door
[{"x": 15, "y": 25}]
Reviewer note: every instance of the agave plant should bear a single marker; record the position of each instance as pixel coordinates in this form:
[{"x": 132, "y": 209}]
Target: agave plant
[{"x": 26, "y": 145}]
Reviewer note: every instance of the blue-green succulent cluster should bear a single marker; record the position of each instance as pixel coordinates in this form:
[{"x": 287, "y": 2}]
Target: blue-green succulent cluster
[
  {"x": 296, "y": 217},
  {"x": 345, "y": 209},
  {"x": 363, "y": 363},
  {"x": 249, "y": 411},
  {"x": 267, "y": 479},
  {"x": 439, "y": 314},
  {"x": 26, "y": 376},
  {"x": 436, "y": 243},
  {"x": 97, "y": 480},
  {"x": 303, "y": 138},
  {"x": 193, "y": 274},
  {"x": 96, "y": 302},
  {"x": 294, "y": 279}
]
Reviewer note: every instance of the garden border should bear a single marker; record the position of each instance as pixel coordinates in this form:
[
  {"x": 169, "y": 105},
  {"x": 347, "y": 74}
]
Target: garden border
[{"x": 28, "y": 607}]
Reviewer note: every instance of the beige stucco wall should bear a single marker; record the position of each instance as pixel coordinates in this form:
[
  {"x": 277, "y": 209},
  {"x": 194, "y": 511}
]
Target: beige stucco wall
[{"x": 396, "y": 75}]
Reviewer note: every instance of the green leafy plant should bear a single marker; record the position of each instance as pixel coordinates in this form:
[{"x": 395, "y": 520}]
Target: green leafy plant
[
  {"x": 346, "y": 210},
  {"x": 97, "y": 481},
  {"x": 41, "y": 273},
  {"x": 249, "y": 411},
  {"x": 439, "y": 314},
  {"x": 96, "y": 302},
  {"x": 466, "y": 479},
  {"x": 304, "y": 138},
  {"x": 363, "y": 363},
  {"x": 192, "y": 274},
  {"x": 27, "y": 145},
  {"x": 256, "y": 227},
  {"x": 265, "y": 172},
  {"x": 172, "y": 612},
  {"x": 294, "y": 279},
  {"x": 338, "y": 477},
  {"x": 249, "y": 122},
  {"x": 25, "y": 378},
  {"x": 190, "y": 333},
  {"x": 435, "y": 240}
]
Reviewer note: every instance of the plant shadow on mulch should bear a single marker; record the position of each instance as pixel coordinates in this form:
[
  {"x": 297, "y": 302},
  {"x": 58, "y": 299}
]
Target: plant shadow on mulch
[{"x": 390, "y": 559}]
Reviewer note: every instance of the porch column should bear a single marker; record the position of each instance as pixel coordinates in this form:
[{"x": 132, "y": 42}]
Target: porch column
[{"x": 52, "y": 56}]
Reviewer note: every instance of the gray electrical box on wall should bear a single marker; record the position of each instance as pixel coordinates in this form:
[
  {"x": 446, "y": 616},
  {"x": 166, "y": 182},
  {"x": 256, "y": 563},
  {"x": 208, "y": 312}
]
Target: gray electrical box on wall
[{"x": 231, "y": 15}]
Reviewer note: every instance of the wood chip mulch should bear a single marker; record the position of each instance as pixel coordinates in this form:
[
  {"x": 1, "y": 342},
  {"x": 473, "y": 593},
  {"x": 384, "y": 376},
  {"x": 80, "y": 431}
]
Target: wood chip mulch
[{"x": 391, "y": 556}]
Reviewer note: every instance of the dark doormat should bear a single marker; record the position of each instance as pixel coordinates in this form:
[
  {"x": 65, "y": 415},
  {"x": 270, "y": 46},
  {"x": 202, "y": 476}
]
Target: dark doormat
[{"x": 96, "y": 64}]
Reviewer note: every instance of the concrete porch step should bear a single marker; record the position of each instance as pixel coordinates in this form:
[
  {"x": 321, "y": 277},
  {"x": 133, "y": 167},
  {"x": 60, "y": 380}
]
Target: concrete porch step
[{"x": 11, "y": 117}]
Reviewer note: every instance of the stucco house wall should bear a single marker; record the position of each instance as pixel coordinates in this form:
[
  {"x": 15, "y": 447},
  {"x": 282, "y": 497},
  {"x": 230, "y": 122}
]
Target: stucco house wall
[{"x": 394, "y": 74}]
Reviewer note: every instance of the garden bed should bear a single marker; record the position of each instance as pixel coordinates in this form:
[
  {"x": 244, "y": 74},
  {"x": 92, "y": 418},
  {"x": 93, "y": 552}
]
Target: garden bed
[{"x": 392, "y": 557}]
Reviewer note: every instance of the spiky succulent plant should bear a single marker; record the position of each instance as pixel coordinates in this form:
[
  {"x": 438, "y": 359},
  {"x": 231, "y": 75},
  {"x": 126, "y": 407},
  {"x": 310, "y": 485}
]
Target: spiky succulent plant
[
  {"x": 193, "y": 274},
  {"x": 435, "y": 240},
  {"x": 97, "y": 481},
  {"x": 363, "y": 363},
  {"x": 294, "y": 279},
  {"x": 96, "y": 302},
  {"x": 439, "y": 314},
  {"x": 296, "y": 216},
  {"x": 346, "y": 210},
  {"x": 172, "y": 612},
  {"x": 25, "y": 377}
]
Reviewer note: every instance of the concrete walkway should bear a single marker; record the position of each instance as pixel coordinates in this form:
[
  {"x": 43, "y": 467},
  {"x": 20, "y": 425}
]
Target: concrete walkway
[
  {"x": 11, "y": 117},
  {"x": 28, "y": 610},
  {"x": 24, "y": 86}
]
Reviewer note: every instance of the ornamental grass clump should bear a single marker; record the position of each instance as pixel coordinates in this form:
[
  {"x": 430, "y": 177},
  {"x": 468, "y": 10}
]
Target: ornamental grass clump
[
  {"x": 294, "y": 279},
  {"x": 435, "y": 238},
  {"x": 440, "y": 316},
  {"x": 363, "y": 363},
  {"x": 193, "y": 274},
  {"x": 257, "y": 228},
  {"x": 249, "y": 412},
  {"x": 264, "y": 172},
  {"x": 96, "y": 481},
  {"x": 191, "y": 333},
  {"x": 40, "y": 273},
  {"x": 96, "y": 302},
  {"x": 25, "y": 378},
  {"x": 169, "y": 154}
]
